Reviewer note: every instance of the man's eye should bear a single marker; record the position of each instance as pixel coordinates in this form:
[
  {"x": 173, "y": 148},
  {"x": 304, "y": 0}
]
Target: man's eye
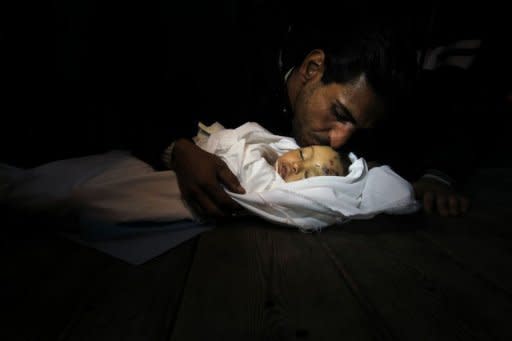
[
  {"x": 341, "y": 117},
  {"x": 306, "y": 175},
  {"x": 301, "y": 155}
]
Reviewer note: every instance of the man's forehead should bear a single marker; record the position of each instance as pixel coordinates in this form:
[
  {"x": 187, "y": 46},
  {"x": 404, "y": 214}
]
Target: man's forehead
[{"x": 359, "y": 98}]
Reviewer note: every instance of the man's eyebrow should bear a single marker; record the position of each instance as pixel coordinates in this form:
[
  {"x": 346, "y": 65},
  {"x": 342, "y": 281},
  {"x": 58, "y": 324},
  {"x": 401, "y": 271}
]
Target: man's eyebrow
[{"x": 349, "y": 117}]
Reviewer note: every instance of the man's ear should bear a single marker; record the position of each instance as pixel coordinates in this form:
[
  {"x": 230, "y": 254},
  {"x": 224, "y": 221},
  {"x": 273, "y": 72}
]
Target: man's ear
[{"x": 313, "y": 65}]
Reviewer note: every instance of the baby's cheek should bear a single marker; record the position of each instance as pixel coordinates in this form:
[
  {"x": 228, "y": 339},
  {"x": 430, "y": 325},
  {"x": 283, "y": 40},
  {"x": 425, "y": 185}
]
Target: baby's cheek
[
  {"x": 294, "y": 177},
  {"x": 330, "y": 170}
]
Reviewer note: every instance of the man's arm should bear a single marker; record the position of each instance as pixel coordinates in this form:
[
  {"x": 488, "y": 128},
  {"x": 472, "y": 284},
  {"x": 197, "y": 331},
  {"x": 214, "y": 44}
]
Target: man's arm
[{"x": 202, "y": 178}]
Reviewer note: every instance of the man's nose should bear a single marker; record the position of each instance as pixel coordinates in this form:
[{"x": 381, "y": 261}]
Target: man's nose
[{"x": 339, "y": 135}]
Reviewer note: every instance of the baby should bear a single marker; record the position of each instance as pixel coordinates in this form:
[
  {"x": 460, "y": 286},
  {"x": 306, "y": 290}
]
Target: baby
[
  {"x": 303, "y": 163},
  {"x": 117, "y": 188},
  {"x": 261, "y": 160}
]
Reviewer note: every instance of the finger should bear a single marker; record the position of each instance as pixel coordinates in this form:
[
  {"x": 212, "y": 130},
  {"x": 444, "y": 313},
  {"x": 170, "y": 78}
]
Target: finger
[
  {"x": 229, "y": 180},
  {"x": 196, "y": 210},
  {"x": 222, "y": 200},
  {"x": 442, "y": 205},
  {"x": 209, "y": 207},
  {"x": 453, "y": 205},
  {"x": 202, "y": 203},
  {"x": 464, "y": 204},
  {"x": 428, "y": 202}
]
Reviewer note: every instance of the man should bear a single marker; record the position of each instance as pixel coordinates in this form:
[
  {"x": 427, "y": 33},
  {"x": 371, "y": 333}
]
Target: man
[{"x": 333, "y": 93}]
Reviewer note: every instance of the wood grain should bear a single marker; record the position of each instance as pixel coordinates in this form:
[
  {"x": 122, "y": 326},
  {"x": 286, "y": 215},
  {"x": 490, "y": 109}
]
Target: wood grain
[{"x": 254, "y": 281}]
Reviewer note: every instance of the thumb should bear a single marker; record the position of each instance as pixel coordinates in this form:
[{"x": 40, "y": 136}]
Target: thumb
[{"x": 229, "y": 180}]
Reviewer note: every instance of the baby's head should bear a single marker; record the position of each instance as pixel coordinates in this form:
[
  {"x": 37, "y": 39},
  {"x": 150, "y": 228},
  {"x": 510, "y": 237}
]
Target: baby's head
[{"x": 311, "y": 161}]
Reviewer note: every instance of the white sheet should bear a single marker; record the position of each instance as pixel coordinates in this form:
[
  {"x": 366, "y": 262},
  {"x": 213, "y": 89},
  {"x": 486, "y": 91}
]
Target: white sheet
[
  {"x": 117, "y": 188},
  {"x": 120, "y": 198},
  {"x": 312, "y": 203}
]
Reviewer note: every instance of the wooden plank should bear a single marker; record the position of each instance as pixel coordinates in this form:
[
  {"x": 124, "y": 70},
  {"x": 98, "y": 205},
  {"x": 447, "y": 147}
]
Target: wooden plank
[
  {"x": 415, "y": 287},
  {"x": 254, "y": 281},
  {"x": 127, "y": 302},
  {"x": 480, "y": 243},
  {"x": 43, "y": 278},
  {"x": 55, "y": 289}
]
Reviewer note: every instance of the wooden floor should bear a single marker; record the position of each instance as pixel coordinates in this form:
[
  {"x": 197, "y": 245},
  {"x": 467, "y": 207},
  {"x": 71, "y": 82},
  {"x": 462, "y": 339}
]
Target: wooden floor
[{"x": 390, "y": 278}]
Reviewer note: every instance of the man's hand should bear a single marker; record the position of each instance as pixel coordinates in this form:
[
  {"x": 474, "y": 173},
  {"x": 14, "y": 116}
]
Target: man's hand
[
  {"x": 437, "y": 196},
  {"x": 201, "y": 177}
]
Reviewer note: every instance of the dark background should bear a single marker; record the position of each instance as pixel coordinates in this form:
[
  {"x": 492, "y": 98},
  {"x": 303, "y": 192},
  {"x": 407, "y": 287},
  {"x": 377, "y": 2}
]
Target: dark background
[{"x": 83, "y": 76}]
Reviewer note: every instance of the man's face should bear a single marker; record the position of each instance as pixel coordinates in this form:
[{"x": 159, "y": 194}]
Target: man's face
[{"x": 330, "y": 114}]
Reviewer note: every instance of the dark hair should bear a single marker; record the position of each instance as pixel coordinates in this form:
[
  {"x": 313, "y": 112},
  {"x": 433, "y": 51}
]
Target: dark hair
[
  {"x": 345, "y": 162},
  {"x": 380, "y": 50}
]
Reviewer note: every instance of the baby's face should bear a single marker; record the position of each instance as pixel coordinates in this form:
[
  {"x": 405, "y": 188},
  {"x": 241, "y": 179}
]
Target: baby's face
[{"x": 307, "y": 162}]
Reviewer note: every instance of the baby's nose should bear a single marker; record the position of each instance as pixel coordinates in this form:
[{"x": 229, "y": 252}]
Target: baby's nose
[{"x": 296, "y": 167}]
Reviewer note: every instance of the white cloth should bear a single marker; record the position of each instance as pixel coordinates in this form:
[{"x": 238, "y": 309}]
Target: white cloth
[
  {"x": 125, "y": 208},
  {"x": 310, "y": 204},
  {"x": 113, "y": 187},
  {"x": 117, "y": 188}
]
